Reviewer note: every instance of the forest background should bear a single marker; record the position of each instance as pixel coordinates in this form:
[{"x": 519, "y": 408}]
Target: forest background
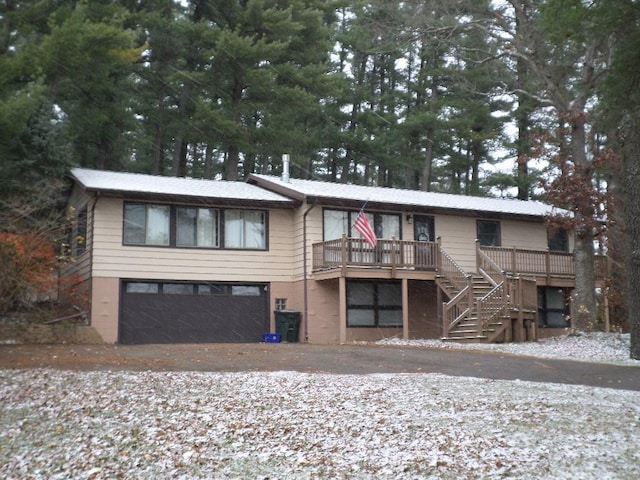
[{"x": 531, "y": 99}]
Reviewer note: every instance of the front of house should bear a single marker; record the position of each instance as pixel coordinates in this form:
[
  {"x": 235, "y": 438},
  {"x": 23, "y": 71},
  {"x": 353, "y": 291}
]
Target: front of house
[{"x": 174, "y": 260}]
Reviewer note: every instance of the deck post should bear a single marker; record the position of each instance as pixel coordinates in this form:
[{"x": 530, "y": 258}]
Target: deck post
[
  {"x": 405, "y": 309},
  {"x": 343, "y": 255},
  {"x": 547, "y": 265},
  {"x": 342, "y": 305},
  {"x": 439, "y": 253},
  {"x": 513, "y": 261}
]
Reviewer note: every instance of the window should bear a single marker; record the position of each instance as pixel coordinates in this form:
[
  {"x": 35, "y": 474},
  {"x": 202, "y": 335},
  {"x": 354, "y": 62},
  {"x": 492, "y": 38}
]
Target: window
[
  {"x": 142, "y": 287},
  {"x": 553, "y": 307},
  {"x": 146, "y": 224},
  {"x": 488, "y": 233},
  {"x": 558, "y": 240},
  {"x": 81, "y": 232},
  {"x": 189, "y": 227},
  {"x": 281, "y": 303},
  {"x": 244, "y": 229},
  {"x": 340, "y": 222},
  {"x": 371, "y": 304},
  {"x": 196, "y": 227}
]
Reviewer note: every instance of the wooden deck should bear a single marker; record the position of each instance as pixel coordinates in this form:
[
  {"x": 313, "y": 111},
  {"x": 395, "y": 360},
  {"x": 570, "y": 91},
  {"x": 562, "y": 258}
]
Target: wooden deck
[{"x": 346, "y": 254}]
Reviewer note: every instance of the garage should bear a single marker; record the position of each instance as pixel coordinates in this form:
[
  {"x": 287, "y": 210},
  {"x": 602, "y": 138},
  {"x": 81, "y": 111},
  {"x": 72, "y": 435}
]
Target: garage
[{"x": 190, "y": 312}]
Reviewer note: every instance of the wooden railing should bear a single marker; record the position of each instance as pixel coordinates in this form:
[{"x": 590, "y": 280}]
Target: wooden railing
[
  {"x": 356, "y": 252},
  {"x": 521, "y": 261}
]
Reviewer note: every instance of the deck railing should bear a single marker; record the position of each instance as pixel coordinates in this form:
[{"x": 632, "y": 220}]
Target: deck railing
[
  {"x": 356, "y": 252},
  {"x": 521, "y": 261},
  {"x": 407, "y": 254}
]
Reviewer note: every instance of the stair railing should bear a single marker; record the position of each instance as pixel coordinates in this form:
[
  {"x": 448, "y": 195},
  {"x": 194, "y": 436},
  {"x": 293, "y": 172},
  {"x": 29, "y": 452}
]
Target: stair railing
[{"x": 457, "y": 309}]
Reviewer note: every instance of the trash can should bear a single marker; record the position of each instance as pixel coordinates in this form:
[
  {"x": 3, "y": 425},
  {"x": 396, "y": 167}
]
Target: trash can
[{"x": 288, "y": 324}]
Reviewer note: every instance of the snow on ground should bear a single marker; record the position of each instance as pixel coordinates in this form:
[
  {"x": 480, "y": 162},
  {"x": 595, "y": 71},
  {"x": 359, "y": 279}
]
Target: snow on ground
[
  {"x": 590, "y": 347},
  {"x": 288, "y": 425}
]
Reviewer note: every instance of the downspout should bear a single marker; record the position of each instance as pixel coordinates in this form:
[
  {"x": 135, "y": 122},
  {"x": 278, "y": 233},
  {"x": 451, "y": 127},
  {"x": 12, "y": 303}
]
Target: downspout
[{"x": 304, "y": 272}]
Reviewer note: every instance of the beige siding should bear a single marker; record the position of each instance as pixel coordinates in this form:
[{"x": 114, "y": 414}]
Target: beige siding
[
  {"x": 112, "y": 259},
  {"x": 80, "y": 265}
]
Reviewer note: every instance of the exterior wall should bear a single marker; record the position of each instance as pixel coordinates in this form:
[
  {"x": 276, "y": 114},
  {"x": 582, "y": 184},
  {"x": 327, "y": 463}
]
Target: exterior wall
[
  {"x": 323, "y": 322},
  {"x": 423, "y": 310},
  {"x": 458, "y": 235},
  {"x": 80, "y": 267},
  {"x": 105, "y": 296},
  {"x": 114, "y": 260}
]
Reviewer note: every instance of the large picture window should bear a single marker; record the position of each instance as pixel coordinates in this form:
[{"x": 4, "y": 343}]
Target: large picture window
[
  {"x": 371, "y": 304},
  {"x": 193, "y": 227},
  {"x": 340, "y": 222}
]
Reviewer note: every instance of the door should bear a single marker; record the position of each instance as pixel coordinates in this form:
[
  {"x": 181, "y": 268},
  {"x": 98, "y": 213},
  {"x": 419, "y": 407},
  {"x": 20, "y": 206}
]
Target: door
[
  {"x": 423, "y": 231},
  {"x": 190, "y": 312}
]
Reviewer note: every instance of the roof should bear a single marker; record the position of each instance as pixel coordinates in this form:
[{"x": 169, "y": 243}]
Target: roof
[
  {"x": 314, "y": 191},
  {"x": 152, "y": 186}
]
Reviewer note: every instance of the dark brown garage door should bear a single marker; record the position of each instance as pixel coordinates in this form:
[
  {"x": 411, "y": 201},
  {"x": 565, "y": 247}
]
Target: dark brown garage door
[{"x": 180, "y": 312}]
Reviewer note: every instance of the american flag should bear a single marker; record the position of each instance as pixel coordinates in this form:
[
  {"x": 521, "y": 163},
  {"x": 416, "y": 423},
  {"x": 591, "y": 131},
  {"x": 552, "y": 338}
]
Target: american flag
[{"x": 363, "y": 227}]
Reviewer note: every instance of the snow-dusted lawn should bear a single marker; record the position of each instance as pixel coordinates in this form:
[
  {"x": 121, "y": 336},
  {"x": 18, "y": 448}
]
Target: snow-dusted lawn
[{"x": 285, "y": 425}]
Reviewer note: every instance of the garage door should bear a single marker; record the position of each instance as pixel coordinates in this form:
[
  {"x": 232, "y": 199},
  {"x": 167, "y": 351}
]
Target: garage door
[{"x": 180, "y": 312}]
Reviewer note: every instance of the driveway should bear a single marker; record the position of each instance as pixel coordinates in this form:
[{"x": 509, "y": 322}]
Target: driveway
[{"x": 337, "y": 359}]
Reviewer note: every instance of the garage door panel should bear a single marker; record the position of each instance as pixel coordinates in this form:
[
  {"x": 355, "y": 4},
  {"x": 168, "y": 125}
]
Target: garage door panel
[{"x": 170, "y": 318}]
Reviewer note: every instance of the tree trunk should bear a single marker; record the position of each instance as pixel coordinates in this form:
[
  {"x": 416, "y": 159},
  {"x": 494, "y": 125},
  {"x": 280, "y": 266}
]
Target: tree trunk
[
  {"x": 585, "y": 308},
  {"x": 630, "y": 140}
]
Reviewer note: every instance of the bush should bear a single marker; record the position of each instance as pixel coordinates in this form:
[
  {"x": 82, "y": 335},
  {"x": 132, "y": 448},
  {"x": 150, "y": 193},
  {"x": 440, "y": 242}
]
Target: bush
[{"x": 28, "y": 269}]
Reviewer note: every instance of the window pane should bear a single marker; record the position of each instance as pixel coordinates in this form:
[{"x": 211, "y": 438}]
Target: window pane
[
  {"x": 177, "y": 288},
  {"x": 207, "y": 227},
  {"x": 559, "y": 241},
  {"x": 246, "y": 290},
  {"x": 389, "y": 227},
  {"x": 233, "y": 229},
  {"x": 157, "y": 225},
  {"x": 390, "y": 318},
  {"x": 186, "y": 226},
  {"x": 489, "y": 233},
  {"x": 390, "y": 294},
  {"x": 254, "y": 229},
  {"x": 555, "y": 299},
  {"x": 360, "y": 293},
  {"x": 134, "y": 223},
  {"x": 336, "y": 224},
  {"x": 142, "y": 287},
  {"x": 360, "y": 317},
  {"x": 556, "y": 320}
]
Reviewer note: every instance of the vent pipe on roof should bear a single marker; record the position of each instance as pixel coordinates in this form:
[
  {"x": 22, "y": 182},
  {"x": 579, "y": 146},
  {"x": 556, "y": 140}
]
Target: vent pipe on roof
[{"x": 285, "y": 168}]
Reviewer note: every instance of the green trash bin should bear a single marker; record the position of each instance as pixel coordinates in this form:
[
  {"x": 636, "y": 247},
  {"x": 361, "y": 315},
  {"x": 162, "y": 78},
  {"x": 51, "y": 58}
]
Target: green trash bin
[{"x": 288, "y": 325}]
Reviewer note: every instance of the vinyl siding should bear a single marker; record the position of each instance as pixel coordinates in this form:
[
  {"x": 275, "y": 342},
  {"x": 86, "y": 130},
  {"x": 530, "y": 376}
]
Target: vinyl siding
[
  {"x": 113, "y": 259},
  {"x": 80, "y": 266}
]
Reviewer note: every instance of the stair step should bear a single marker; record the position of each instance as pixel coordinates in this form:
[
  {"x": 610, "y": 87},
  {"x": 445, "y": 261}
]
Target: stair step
[{"x": 470, "y": 339}]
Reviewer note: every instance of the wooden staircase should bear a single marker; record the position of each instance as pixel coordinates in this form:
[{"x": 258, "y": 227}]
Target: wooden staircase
[
  {"x": 469, "y": 323},
  {"x": 488, "y": 306}
]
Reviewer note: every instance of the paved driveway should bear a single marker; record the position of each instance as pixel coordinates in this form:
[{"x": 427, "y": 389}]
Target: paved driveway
[{"x": 343, "y": 359}]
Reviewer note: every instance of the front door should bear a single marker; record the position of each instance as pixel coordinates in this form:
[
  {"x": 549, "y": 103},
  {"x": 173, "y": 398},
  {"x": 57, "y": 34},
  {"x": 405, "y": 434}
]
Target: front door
[{"x": 423, "y": 231}]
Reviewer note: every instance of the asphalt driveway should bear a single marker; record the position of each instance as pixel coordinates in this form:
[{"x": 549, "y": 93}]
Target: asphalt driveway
[{"x": 342, "y": 359}]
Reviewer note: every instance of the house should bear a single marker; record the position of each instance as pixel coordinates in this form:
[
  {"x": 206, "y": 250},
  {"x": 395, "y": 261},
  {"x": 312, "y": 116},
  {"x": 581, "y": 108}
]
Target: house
[{"x": 175, "y": 260}]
